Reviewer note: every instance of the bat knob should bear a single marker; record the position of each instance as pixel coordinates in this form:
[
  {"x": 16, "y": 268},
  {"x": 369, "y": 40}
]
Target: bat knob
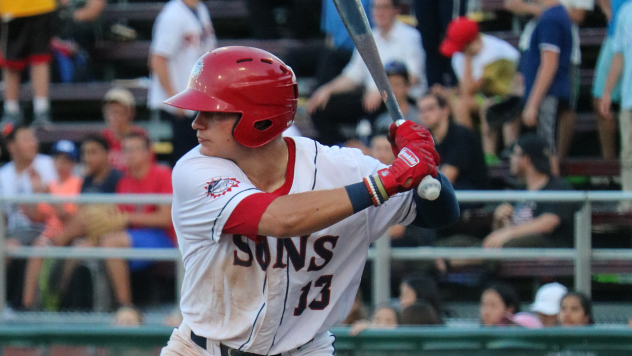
[
  {"x": 399, "y": 122},
  {"x": 429, "y": 188}
]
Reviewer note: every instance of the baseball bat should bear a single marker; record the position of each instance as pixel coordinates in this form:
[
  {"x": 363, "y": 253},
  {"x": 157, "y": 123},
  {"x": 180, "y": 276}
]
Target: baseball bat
[{"x": 356, "y": 22}]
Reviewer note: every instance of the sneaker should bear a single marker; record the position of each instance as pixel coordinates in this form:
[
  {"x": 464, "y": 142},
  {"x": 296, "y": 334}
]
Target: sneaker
[
  {"x": 492, "y": 160},
  {"x": 14, "y": 118},
  {"x": 41, "y": 119}
]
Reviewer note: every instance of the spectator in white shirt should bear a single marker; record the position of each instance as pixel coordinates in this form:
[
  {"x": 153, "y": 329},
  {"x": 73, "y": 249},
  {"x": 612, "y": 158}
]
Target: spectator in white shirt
[
  {"x": 182, "y": 33},
  {"x": 353, "y": 94},
  {"x": 28, "y": 172}
]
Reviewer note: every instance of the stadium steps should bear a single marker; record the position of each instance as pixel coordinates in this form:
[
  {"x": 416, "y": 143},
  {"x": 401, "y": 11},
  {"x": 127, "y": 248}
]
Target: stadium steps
[
  {"x": 107, "y": 51},
  {"x": 147, "y": 11}
]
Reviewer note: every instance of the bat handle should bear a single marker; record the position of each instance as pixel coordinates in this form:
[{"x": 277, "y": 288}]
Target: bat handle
[{"x": 429, "y": 188}]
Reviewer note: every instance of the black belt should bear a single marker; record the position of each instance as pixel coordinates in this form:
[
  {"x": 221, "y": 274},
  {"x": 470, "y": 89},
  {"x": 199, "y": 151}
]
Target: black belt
[{"x": 225, "y": 350}]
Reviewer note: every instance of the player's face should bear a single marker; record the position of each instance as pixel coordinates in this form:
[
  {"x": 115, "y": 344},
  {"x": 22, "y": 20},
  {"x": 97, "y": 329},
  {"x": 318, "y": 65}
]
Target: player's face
[
  {"x": 572, "y": 313},
  {"x": 430, "y": 113},
  {"x": 492, "y": 308},
  {"x": 215, "y": 134},
  {"x": 94, "y": 157},
  {"x": 407, "y": 296},
  {"x": 384, "y": 317}
]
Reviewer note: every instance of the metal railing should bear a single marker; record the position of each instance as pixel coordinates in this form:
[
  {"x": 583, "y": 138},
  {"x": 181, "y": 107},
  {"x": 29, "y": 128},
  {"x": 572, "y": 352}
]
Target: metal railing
[
  {"x": 382, "y": 253},
  {"x": 172, "y": 254}
]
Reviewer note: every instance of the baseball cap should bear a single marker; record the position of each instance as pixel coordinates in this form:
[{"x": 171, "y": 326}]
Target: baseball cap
[
  {"x": 538, "y": 150},
  {"x": 548, "y": 298},
  {"x": 121, "y": 96},
  {"x": 461, "y": 31},
  {"x": 65, "y": 147},
  {"x": 396, "y": 68}
]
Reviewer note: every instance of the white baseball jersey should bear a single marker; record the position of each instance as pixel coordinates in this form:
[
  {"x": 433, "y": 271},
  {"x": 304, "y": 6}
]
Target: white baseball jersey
[{"x": 275, "y": 295}]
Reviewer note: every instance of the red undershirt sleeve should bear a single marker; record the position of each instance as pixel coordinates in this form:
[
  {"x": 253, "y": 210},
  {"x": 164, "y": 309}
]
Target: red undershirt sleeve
[{"x": 245, "y": 218}]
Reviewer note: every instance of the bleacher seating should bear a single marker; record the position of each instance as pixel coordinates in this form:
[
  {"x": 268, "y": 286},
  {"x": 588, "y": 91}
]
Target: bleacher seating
[
  {"x": 108, "y": 51},
  {"x": 147, "y": 11}
]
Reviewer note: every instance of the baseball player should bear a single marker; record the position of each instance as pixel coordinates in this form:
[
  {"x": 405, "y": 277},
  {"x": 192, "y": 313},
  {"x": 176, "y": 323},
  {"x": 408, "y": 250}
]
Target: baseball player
[{"x": 274, "y": 231}]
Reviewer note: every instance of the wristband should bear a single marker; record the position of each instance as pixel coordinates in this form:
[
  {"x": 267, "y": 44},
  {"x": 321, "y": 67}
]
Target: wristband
[
  {"x": 377, "y": 190},
  {"x": 359, "y": 196}
]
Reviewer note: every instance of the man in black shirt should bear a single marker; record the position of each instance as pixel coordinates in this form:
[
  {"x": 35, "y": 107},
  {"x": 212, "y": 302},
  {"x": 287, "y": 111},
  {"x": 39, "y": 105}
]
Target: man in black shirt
[
  {"x": 462, "y": 159},
  {"x": 533, "y": 224}
]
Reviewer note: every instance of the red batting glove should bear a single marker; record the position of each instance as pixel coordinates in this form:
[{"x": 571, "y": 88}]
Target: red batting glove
[
  {"x": 400, "y": 136},
  {"x": 411, "y": 165}
]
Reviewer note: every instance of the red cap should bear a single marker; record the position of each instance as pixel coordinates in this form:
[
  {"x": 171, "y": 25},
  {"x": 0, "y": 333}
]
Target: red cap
[{"x": 461, "y": 32}]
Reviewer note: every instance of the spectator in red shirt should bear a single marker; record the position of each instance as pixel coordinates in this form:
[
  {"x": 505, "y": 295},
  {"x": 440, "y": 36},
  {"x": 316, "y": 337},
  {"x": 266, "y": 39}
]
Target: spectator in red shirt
[
  {"x": 148, "y": 226},
  {"x": 119, "y": 109}
]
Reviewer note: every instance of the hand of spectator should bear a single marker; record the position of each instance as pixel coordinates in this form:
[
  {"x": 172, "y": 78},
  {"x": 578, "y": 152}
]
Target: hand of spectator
[
  {"x": 497, "y": 238},
  {"x": 530, "y": 116},
  {"x": 319, "y": 100},
  {"x": 604, "y": 105},
  {"x": 359, "y": 326},
  {"x": 503, "y": 211},
  {"x": 372, "y": 101},
  {"x": 440, "y": 90},
  {"x": 36, "y": 181}
]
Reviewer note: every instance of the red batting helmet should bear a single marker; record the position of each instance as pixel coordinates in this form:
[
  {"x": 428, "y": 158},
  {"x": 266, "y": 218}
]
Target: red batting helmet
[{"x": 244, "y": 80}]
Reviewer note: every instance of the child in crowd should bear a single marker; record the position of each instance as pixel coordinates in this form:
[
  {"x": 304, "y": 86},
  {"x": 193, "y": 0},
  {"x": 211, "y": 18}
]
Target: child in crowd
[{"x": 576, "y": 310}]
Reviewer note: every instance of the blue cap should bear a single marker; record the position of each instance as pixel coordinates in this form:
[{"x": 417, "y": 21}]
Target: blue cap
[
  {"x": 397, "y": 68},
  {"x": 66, "y": 147}
]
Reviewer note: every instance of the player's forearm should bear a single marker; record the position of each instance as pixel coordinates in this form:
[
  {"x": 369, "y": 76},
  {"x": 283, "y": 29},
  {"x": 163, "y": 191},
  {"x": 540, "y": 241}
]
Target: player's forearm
[
  {"x": 616, "y": 68},
  {"x": 304, "y": 213},
  {"x": 544, "y": 78},
  {"x": 160, "y": 66}
]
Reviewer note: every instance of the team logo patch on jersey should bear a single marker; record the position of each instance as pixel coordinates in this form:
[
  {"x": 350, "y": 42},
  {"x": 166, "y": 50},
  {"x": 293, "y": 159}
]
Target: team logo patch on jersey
[
  {"x": 220, "y": 186},
  {"x": 409, "y": 157}
]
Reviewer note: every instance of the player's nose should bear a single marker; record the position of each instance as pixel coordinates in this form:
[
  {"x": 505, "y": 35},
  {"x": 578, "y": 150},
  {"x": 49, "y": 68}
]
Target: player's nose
[{"x": 198, "y": 123}]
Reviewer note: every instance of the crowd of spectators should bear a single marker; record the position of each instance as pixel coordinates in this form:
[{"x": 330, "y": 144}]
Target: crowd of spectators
[{"x": 483, "y": 101}]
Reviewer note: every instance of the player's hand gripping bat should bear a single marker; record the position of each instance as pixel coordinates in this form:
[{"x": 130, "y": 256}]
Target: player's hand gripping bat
[{"x": 357, "y": 24}]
